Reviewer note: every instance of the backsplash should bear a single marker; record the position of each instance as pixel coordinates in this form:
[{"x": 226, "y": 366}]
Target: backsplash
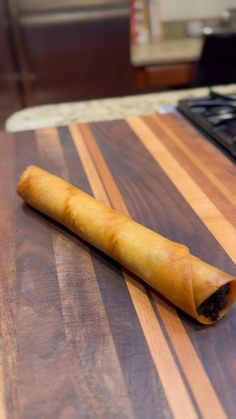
[
  {"x": 172, "y": 10},
  {"x": 179, "y": 28}
]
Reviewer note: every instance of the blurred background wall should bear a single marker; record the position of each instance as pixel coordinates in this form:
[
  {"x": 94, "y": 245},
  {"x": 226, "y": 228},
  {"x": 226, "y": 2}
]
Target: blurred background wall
[
  {"x": 67, "y": 50},
  {"x": 193, "y": 9}
]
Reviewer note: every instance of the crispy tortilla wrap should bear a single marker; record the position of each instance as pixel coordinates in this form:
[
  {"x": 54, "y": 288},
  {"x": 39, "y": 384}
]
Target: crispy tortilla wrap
[{"x": 199, "y": 289}]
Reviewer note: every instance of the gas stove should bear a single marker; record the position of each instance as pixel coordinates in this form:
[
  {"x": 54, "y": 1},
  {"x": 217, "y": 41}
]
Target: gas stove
[{"x": 215, "y": 115}]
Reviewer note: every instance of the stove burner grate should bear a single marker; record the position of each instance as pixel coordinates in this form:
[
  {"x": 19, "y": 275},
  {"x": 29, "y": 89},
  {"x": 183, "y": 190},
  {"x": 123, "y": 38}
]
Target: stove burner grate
[{"x": 216, "y": 115}]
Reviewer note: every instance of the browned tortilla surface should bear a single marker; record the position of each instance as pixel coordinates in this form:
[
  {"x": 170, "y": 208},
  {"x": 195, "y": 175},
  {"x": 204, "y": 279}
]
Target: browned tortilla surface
[{"x": 167, "y": 266}]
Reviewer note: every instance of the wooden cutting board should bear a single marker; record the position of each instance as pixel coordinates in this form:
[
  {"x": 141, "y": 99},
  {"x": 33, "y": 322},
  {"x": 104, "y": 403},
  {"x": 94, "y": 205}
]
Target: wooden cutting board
[{"x": 80, "y": 340}]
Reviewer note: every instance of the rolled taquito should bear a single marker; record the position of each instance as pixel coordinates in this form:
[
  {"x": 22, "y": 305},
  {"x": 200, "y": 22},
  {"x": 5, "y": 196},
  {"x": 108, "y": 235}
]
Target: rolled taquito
[{"x": 201, "y": 290}]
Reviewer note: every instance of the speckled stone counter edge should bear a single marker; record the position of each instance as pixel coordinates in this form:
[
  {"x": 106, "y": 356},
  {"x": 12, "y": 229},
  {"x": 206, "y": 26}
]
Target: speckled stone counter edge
[{"x": 102, "y": 109}]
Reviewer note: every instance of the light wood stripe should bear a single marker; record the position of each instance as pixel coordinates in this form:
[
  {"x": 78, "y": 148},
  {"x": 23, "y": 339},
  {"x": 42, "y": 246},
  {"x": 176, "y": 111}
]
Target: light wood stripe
[
  {"x": 180, "y": 402},
  {"x": 195, "y": 159},
  {"x": 88, "y": 165},
  {"x": 220, "y": 165},
  {"x": 199, "y": 381},
  {"x": 215, "y": 221},
  {"x": 64, "y": 251},
  {"x": 209, "y": 188},
  {"x": 112, "y": 190}
]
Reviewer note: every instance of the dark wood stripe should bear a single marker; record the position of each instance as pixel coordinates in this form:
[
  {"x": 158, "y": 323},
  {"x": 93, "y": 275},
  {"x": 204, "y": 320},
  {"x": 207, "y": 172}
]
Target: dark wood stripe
[
  {"x": 164, "y": 362},
  {"x": 79, "y": 292},
  {"x": 72, "y": 161},
  {"x": 145, "y": 392},
  {"x": 196, "y": 173},
  {"x": 160, "y": 206},
  {"x": 8, "y": 307},
  {"x": 44, "y": 360}
]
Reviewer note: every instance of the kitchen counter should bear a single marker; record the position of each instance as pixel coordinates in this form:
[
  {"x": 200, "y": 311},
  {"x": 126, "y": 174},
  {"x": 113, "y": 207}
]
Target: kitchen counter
[
  {"x": 98, "y": 110},
  {"x": 167, "y": 51},
  {"x": 80, "y": 334}
]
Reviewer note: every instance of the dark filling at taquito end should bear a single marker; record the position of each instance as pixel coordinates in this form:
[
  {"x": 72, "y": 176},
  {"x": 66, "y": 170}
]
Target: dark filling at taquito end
[{"x": 212, "y": 307}]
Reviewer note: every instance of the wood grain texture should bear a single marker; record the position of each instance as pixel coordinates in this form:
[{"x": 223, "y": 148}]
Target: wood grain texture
[
  {"x": 80, "y": 337},
  {"x": 198, "y": 200},
  {"x": 207, "y": 171},
  {"x": 169, "y": 375},
  {"x": 155, "y": 186},
  {"x": 66, "y": 257},
  {"x": 8, "y": 304},
  {"x": 214, "y": 168}
]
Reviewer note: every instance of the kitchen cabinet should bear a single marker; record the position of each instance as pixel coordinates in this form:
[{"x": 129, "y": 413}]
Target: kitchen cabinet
[
  {"x": 77, "y": 61},
  {"x": 75, "y": 50},
  {"x": 10, "y": 95},
  {"x": 164, "y": 76},
  {"x": 71, "y": 50}
]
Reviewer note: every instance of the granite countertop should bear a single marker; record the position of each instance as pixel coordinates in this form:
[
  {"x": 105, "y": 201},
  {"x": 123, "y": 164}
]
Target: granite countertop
[
  {"x": 167, "y": 51},
  {"x": 98, "y": 110}
]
